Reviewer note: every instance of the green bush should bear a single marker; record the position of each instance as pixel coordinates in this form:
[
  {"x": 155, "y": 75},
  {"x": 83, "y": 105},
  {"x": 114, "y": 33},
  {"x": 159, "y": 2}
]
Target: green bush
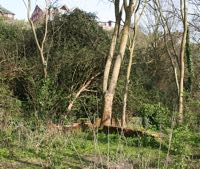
[
  {"x": 184, "y": 141},
  {"x": 155, "y": 115},
  {"x": 192, "y": 108},
  {"x": 186, "y": 147},
  {"x": 10, "y": 106}
]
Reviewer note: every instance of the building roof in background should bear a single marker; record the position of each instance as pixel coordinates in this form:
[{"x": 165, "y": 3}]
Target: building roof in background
[
  {"x": 38, "y": 13},
  {"x": 4, "y": 10},
  {"x": 64, "y": 7}
]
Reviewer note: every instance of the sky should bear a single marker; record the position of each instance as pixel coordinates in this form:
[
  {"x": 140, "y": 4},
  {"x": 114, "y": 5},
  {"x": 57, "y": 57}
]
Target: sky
[{"x": 103, "y": 9}]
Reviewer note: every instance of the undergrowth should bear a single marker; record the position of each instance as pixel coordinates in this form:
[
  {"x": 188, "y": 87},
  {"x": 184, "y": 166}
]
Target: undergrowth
[{"x": 23, "y": 147}]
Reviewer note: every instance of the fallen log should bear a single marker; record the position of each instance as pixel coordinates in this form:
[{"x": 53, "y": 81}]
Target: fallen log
[
  {"x": 127, "y": 132},
  {"x": 85, "y": 125}
]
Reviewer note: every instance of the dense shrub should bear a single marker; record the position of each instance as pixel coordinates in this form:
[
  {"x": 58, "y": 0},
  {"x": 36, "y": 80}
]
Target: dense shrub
[
  {"x": 155, "y": 115},
  {"x": 10, "y": 107}
]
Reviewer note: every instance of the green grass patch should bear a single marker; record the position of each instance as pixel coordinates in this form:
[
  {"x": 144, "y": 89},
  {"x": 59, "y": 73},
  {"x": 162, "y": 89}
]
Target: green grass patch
[{"x": 77, "y": 150}]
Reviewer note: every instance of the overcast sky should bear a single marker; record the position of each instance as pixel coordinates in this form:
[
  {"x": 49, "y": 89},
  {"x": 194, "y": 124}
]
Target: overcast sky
[{"x": 103, "y": 9}]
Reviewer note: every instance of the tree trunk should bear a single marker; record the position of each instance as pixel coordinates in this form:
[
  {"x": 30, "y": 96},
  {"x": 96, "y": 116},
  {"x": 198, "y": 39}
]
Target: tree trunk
[
  {"x": 123, "y": 119},
  {"x": 44, "y": 63},
  {"x": 182, "y": 64},
  {"x": 118, "y": 13},
  {"x": 109, "y": 94},
  {"x": 131, "y": 49},
  {"x": 189, "y": 63},
  {"x": 107, "y": 109},
  {"x": 110, "y": 58}
]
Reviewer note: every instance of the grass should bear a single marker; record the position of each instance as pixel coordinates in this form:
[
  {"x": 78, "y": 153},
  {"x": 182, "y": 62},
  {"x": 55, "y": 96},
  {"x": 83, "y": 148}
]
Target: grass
[{"x": 24, "y": 148}]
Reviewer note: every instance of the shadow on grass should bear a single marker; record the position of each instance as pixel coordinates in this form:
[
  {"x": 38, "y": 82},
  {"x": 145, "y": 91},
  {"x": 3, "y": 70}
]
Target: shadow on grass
[
  {"x": 79, "y": 162},
  {"x": 15, "y": 163},
  {"x": 30, "y": 164},
  {"x": 130, "y": 141}
]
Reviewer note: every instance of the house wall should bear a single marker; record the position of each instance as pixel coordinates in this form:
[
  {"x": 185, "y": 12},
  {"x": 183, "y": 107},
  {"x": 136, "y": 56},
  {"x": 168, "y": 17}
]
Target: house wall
[
  {"x": 37, "y": 15},
  {"x": 7, "y": 16}
]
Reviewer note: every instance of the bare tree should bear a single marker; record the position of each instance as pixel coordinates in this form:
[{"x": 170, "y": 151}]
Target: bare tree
[
  {"x": 109, "y": 93},
  {"x": 177, "y": 61},
  {"x": 132, "y": 38},
  {"x": 168, "y": 39},
  {"x": 118, "y": 15},
  {"x": 183, "y": 6},
  {"x": 40, "y": 45}
]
